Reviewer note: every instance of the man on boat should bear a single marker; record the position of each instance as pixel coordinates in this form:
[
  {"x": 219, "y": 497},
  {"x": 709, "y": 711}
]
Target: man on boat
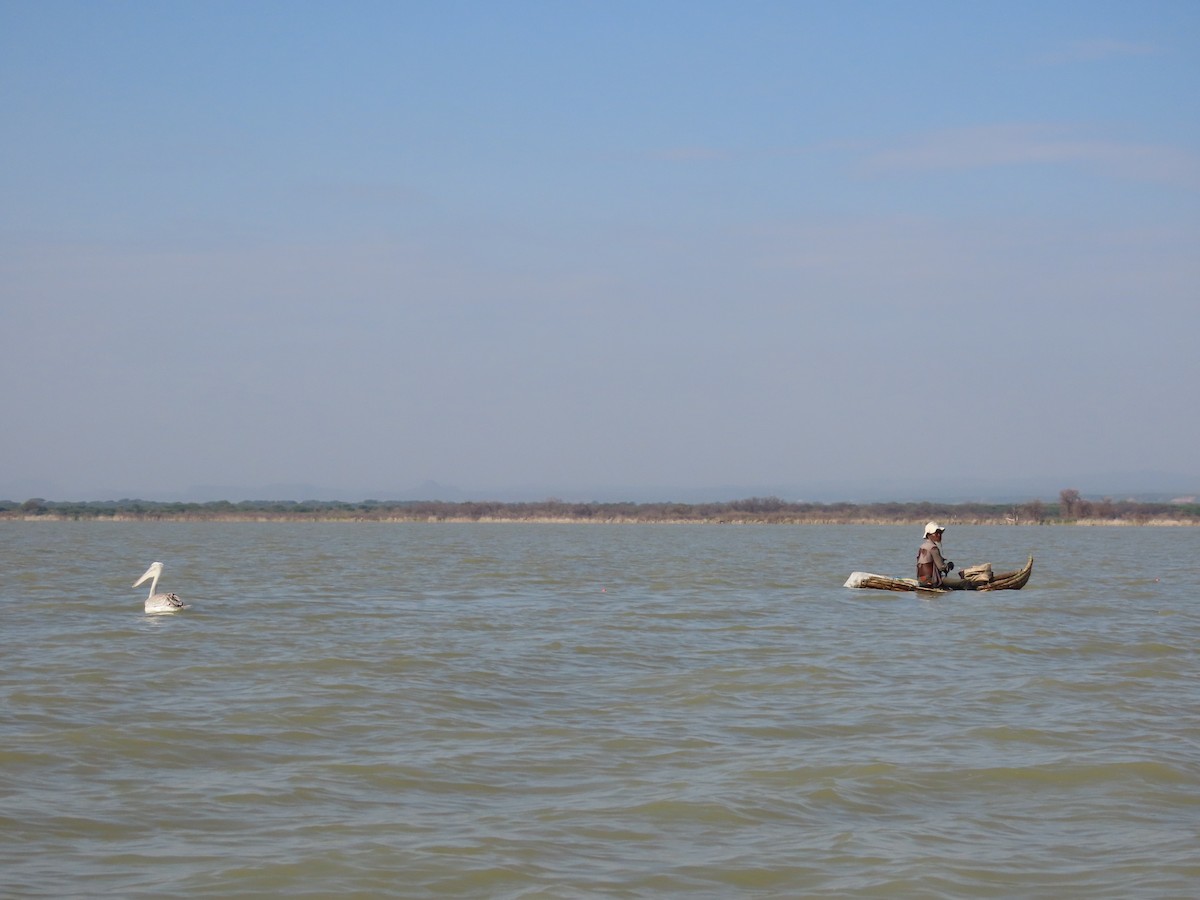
[{"x": 932, "y": 569}]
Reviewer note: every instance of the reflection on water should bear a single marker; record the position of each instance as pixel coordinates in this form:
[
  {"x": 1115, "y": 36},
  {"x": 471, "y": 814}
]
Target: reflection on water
[{"x": 581, "y": 710}]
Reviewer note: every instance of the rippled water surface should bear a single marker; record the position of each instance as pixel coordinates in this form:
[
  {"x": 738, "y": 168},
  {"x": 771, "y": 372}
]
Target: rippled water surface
[{"x": 501, "y": 710}]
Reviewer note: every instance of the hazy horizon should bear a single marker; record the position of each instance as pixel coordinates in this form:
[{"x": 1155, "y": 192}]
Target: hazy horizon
[
  {"x": 686, "y": 247},
  {"x": 1116, "y": 486}
]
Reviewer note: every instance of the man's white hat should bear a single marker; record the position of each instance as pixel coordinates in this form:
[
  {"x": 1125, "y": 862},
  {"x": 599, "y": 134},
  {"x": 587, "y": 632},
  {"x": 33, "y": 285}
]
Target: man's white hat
[{"x": 931, "y": 527}]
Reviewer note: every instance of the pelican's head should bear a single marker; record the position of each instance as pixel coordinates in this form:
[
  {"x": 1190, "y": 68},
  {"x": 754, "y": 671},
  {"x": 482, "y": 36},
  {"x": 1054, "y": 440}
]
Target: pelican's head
[{"x": 153, "y": 572}]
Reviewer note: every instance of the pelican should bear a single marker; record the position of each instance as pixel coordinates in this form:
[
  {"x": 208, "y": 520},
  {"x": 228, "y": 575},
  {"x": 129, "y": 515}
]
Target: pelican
[{"x": 158, "y": 603}]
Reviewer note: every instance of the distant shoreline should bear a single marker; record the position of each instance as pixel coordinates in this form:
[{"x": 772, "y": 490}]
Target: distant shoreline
[
  {"x": 753, "y": 511},
  {"x": 284, "y": 520}
]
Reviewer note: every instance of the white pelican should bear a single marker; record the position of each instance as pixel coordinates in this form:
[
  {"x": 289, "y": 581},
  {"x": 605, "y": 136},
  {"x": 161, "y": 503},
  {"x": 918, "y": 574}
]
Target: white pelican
[{"x": 158, "y": 603}]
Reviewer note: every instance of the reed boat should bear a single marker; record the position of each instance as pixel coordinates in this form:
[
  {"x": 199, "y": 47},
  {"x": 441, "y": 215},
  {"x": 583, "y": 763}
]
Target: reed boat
[{"x": 976, "y": 578}]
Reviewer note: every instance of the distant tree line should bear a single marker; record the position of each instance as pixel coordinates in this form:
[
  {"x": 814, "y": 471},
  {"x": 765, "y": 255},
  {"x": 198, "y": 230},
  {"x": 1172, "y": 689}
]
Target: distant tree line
[{"x": 1072, "y": 507}]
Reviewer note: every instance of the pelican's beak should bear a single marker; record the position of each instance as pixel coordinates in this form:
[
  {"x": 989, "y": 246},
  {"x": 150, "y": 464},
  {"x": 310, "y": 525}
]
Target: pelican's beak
[{"x": 154, "y": 569}]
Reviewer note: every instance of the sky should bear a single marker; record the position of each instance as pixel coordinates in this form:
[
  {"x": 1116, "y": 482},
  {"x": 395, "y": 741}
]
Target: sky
[{"x": 255, "y": 250}]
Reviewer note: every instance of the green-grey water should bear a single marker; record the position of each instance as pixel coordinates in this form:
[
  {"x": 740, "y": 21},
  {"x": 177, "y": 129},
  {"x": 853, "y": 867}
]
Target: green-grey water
[{"x": 502, "y": 710}]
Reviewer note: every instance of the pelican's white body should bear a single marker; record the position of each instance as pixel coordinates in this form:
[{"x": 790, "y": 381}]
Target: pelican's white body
[{"x": 158, "y": 603}]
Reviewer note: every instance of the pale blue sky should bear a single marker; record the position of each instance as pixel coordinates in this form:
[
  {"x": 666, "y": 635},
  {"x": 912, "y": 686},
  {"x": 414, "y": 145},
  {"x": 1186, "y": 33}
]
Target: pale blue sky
[{"x": 655, "y": 247}]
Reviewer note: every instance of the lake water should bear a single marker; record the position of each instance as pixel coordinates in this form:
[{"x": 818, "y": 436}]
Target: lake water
[{"x": 504, "y": 711}]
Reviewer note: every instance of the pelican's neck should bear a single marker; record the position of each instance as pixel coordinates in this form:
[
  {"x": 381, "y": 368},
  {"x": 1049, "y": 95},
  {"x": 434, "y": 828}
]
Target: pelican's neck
[{"x": 153, "y": 585}]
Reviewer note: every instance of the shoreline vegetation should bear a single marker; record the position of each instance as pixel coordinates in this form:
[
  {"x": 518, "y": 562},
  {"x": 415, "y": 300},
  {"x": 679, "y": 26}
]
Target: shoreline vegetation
[{"x": 1072, "y": 509}]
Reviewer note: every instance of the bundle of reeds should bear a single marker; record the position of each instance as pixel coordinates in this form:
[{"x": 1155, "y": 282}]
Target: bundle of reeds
[{"x": 975, "y": 578}]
